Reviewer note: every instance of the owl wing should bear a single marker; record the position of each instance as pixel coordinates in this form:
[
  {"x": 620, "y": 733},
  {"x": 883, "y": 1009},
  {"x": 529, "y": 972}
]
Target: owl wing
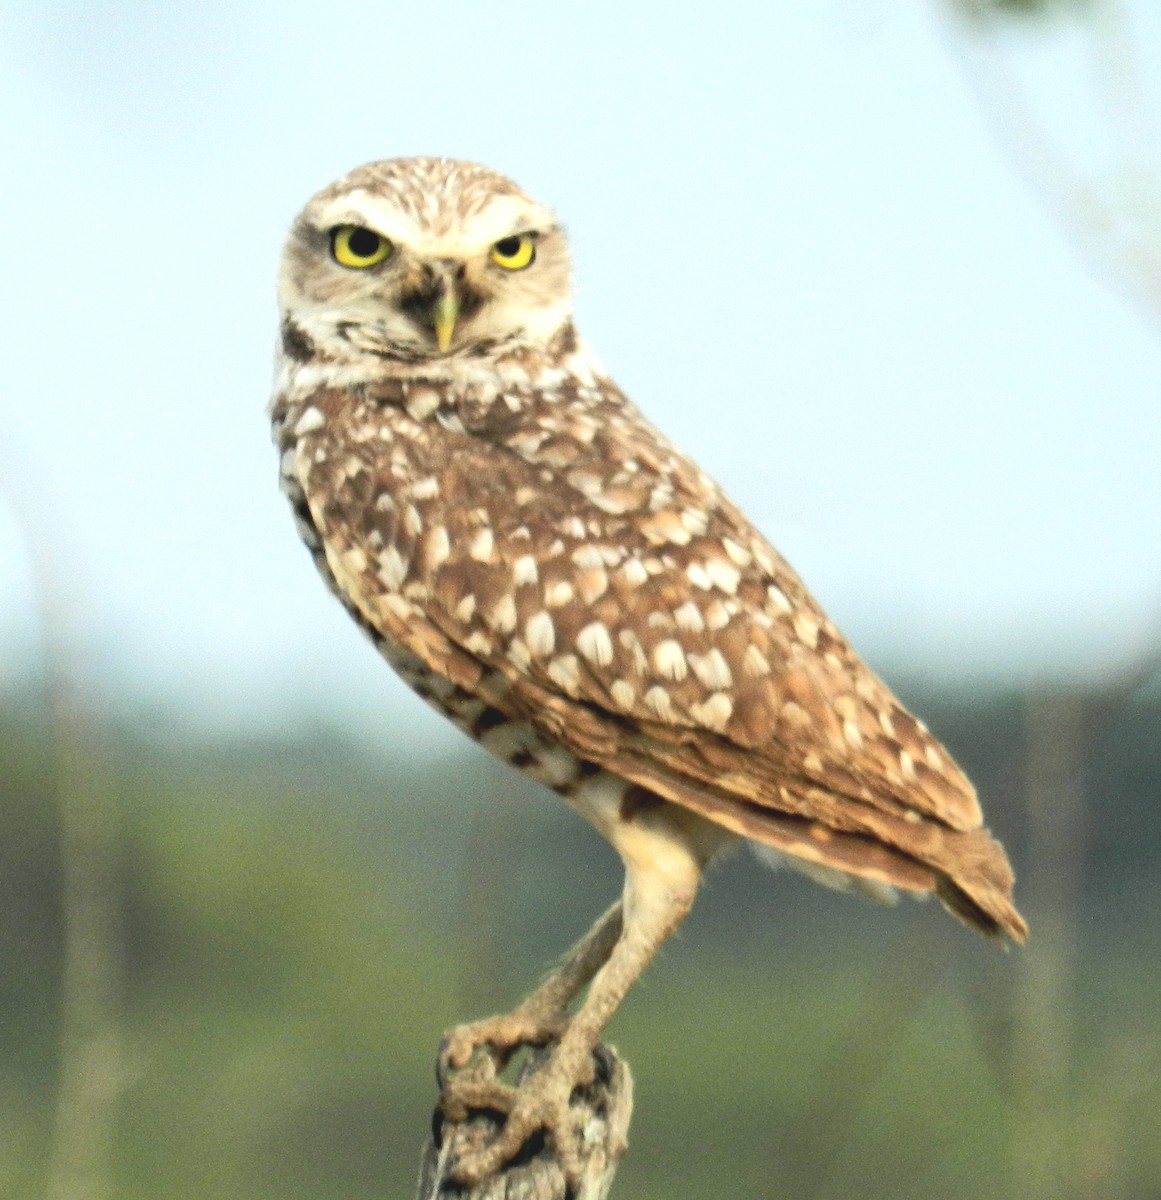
[{"x": 592, "y": 580}]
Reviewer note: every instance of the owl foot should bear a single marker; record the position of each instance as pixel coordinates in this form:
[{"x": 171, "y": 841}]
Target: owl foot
[
  {"x": 541, "y": 1104},
  {"x": 529, "y": 1024}
]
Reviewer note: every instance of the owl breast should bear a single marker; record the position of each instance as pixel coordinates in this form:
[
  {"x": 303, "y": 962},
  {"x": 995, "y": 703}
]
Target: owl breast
[{"x": 372, "y": 476}]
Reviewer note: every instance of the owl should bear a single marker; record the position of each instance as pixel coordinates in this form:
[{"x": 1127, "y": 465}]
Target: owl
[{"x": 544, "y": 567}]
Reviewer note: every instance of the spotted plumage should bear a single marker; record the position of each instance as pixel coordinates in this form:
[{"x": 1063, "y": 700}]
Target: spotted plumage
[{"x": 541, "y": 564}]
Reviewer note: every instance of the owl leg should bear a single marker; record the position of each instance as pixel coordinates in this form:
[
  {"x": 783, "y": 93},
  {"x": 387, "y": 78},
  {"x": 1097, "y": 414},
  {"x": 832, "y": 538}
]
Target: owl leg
[
  {"x": 539, "y": 1019},
  {"x": 658, "y": 893}
]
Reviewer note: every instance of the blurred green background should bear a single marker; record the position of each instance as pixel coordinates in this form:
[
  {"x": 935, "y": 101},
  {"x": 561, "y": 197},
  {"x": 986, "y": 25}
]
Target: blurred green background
[
  {"x": 246, "y": 883},
  {"x": 297, "y": 921}
]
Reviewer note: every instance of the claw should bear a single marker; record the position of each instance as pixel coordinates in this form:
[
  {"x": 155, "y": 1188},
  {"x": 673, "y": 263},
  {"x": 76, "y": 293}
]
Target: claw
[
  {"x": 469, "y": 1084},
  {"x": 524, "y": 1121},
  {"x": 476, "y": 1092},
  {"x": 500, "y": 1036},
  {"x": 456, "y": 1050},
  {"x": 453, "y": 1058},
  {"x": 541, "y": 1105},
  {"x": 442, "y": 1066},
  {"x": 605, "y": 1065}
]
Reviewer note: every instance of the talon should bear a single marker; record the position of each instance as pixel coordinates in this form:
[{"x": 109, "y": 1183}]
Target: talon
[
  {"x": 471, "y": 1093},
  {"x": 605, "y": 1064},
  {"x": 442, "y": 1066},
  {"x": 456, "y": 1050},
  {"x": 542, "y": 1102}
]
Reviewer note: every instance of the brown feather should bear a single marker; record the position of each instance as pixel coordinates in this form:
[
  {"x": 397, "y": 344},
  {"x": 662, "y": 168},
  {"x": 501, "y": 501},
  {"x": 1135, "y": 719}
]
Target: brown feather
[{"x": 562, "y": 546}]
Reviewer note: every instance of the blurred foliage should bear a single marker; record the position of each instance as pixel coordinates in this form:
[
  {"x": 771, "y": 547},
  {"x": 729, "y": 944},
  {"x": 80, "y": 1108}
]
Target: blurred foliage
[
  {"x": 302, "y": 920},
  {"x": 990, "y": 9}
]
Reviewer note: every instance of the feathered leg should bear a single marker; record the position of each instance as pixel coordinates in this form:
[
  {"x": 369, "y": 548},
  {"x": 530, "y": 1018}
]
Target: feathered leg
[
  {"x": 662, "y": 873},
  {"x": 539, "y": 1019}
]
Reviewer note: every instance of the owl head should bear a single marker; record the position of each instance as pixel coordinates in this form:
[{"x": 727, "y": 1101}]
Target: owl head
[{"x": 422, "y": 259}]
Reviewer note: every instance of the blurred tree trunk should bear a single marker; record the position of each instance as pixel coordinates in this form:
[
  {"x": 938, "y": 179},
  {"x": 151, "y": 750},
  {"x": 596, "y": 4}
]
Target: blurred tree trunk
[
  {"x": 1042, "y": 1035},
  {"x": 90, "y": 1072},
  {"x": 90, "y": 1075}
]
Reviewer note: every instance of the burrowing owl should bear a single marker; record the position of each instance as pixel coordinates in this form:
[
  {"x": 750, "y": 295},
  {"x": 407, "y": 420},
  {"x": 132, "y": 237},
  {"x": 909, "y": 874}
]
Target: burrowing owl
[{"x": 544, "y": 567}]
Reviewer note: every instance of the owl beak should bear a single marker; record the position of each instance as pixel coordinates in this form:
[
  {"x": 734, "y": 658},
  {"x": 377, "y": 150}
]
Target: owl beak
[{"x": 444, "y": 314}]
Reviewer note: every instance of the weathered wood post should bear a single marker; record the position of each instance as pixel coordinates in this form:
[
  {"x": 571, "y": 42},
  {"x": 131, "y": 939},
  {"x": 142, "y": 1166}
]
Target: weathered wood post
[{"x": 602, "y": 1111}]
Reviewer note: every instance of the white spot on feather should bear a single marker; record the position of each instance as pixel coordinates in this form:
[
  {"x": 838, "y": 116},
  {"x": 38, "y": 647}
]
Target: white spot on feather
[
  {"x": 588, "y": 556},
  {"x": 669, "y": 659},
  {"x": 503, "y": 616},
  {"x": 807, "y": 629},
  {"x": 755, "y": 663},
  {"x": 310, "y": 420},
  {"x": 739, "y": 554},
  {"x": 632, "y": 643},
  {"x": 712, "y": 669},
  {"x": 541, "y": 634},
  {"x": 392, "y": 568},
  {"x": 478, "y": 643},
  {"x": 595, "y": 644},
  {"x": 689, "y": 617},
  {"x": 482, "y": 545},
  {"x": 524, "y": 570},
  {"x": 717, "y": 616},
  {"x": 565, "y": 673},
  {"x": 520, "y": 654},
  {"x": 592, "y": 584},
  {"x": 657, "y": 698},
  {"x": 437, "y": 547},
  {"x": 715, "y": 712},
  {"x": 558, "y": 594},
  {"x": 723, "y": 575},
  {"x": 421, "y": 402}
]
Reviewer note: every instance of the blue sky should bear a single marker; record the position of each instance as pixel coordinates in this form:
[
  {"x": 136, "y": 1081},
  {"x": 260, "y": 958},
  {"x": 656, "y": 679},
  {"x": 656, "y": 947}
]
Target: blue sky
[{"x": 798, "y": 244}]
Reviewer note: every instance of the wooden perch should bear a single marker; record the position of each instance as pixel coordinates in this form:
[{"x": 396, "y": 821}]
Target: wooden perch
[{"x": 602, "y": 1110}]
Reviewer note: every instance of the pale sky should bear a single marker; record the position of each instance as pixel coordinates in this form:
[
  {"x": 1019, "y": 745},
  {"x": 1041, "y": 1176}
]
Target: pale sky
[{"x": 798, "y": 246}]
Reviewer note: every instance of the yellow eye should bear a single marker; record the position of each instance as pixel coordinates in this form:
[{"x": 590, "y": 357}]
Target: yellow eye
[
  {"x": 514, "y": 253},
  {"x": 355, "y": 246}
]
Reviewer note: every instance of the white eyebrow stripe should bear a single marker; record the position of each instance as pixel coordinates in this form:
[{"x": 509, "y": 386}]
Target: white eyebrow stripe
[
  {"x": 503, "y": 217},
  {"x": 361, "y": 208}
]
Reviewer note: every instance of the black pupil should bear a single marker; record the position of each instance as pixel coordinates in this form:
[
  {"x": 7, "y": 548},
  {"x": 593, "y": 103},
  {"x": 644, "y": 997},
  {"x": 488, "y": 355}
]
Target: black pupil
[
  {"x": 363, "y": 243},
  {"x": 508, "y": 247}
]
